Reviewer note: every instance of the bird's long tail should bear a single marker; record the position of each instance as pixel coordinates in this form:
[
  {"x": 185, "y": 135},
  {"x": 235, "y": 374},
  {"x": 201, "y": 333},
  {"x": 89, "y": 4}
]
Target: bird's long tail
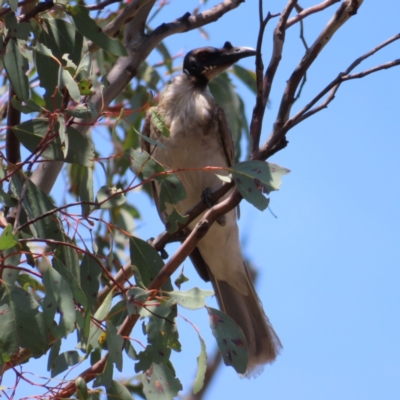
[{"x": 247, "y": 311}]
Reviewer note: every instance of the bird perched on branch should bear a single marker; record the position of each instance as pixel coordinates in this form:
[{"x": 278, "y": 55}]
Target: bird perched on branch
[{"x": 199, "y": 137}]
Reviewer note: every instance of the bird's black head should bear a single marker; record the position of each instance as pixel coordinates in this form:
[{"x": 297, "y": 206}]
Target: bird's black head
[{"x": 202, "y": 65}]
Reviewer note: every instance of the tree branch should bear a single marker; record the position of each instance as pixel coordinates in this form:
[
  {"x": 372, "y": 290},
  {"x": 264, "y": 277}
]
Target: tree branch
[{"x": 277, "y": 139}]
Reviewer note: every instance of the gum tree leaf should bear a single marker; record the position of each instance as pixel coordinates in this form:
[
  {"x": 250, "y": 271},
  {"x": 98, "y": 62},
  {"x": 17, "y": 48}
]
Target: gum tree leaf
[
  {"x": 58, "y": 301},
  {"x": 253, "y": 178},
  {"x": 201, "y": 367},
  {"x": 135, "y": 298},
  {"x": 115, "y": 344},
  {"x": 130, "y": 350},
  {"x": 118, "y": 391},
  {"x": 80, "y": 149},
  {"x": 90, "y": 272},
  {"x": 7, "y": 238},
  {"x": 230, "y": 339},
  {"x": 247, "y": 76},
  {"x": 110, "y": 197},
  {"x": 29, "y": 107},
  {"x": 89, "y": 29},
  {"x": 174, "y": 220},
  {"x": 35, "y": 204},
  {"x": 15, "y": 29},
  {"x": 106, "y": 377},
  {"x": 22, "y": 323},
  {"x": 64, "y": 361},
  {"x": 160, "y": 383},
  {"x": 102, "y": 311},
  {"x": 16, "y": 66},
  {"x": 192, "y": 299},
  {"x": 65, "y": 80},
  {"x": 81, "y": 110},
  {"x": 73, "y": 283},
  {"x": 147, "y": 260},
  {"x": 159, "y": 122}
]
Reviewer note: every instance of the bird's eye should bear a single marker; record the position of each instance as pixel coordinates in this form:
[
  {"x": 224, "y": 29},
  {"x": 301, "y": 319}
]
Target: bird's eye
[{"x": 202, "y": 56}]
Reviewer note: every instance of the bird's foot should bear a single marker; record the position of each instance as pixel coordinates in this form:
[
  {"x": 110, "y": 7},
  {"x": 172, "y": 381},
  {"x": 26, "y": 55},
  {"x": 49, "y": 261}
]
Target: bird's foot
[{"x": 206, "y": 197}]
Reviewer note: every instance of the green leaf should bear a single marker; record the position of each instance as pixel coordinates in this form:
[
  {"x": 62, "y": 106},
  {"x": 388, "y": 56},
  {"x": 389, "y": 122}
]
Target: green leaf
[
  {"x": 159, "y": 122},
  {"x": 80, "y": 111},
  {"x": 86, "y": 190},
  {"x": 130, "y": 350},
  {"x": 110, "y": 197},
  {"x": 201, "y": 367},
  {"x": 171, "y": 188},
  {"x": 22, "y": 323},
  {"x": 73, "y": 283},
  {"x": 118, "y": 391},
  {"x": 102, "y": 311},
  {"x": 61, "y": 132},
  {"x": 35, "y": 203},
  {"x": 66, "y": 39},
  {"x": 81, "y": 389},
  {"x": 147, "y": 260},
  {"x": 247, "y": 76},
  {"x": 160, "y": 383},
  {"x": 65, "y": 80},
  {"x": 181, "y": 279},
  {"x": 135, "y": 297},
  {"x": 115, "y": 344},
  {"x": 105, "y": 378},
  {"x": 89, "y": 29},
  {"x": 29, "y": 107},
  {"x": 53, "y": 353},
  {"x": 80, "y": 149},
  {"x": 11, "y": 257},
  {"x": 230, "y": 338},
  {"x": 83, "y": 70},
  {"x": 174, "y": 220},
  {"x": 90, "y": 272},
  {"x": 7, "y": 238},
  {"x": 19, "y": 30},
  {"x": 16, "y": 66},
  {"x": 192, "y": 299},
  {"x": 253, "y": 178},
  {"x": 63, "y": 361},
  {"x": 58, "y": 299}
]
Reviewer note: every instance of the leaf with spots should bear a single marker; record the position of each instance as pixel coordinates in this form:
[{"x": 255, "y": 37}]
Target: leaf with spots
[
  {"x": 135, "y": 298},
  {"x": 253, "y": 178},
  {"x": 90, "y": 272},
  {"x": 174, "y": 220},
  {"x": 230, "y": 339},
  {"x": 160, "y": 383},
  {"x": 192, "y": 299},
  {"x": 171, "y": 191}
]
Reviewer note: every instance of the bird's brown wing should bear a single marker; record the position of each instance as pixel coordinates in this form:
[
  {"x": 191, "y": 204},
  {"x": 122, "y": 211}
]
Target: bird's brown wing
[
  {"x": 145, "y": 146},
  {"x": 226, "y": 136}
]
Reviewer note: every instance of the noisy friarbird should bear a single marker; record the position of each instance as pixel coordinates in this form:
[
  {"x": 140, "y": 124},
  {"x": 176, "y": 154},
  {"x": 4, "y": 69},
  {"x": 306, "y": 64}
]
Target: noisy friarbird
[{"x": 200, "y": 137}]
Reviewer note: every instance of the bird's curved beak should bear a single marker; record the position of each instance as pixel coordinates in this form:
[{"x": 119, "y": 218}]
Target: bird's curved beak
[{"x": 226, "y": 56}]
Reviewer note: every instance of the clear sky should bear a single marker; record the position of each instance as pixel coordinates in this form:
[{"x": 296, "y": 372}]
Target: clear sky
[{"x": 329, "y": 265}]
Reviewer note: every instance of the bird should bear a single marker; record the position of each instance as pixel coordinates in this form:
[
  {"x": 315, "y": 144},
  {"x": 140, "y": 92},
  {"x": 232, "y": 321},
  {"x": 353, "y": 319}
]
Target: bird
[{"x": 199, "y": 136}]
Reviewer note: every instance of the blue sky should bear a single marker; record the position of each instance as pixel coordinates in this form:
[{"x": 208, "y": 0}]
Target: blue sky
[{"x": 329, "y": 265}]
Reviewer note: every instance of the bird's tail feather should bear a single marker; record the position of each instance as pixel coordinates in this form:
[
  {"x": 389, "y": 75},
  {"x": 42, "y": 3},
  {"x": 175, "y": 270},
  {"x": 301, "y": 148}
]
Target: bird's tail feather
[{"x": 246, "y": 310}]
